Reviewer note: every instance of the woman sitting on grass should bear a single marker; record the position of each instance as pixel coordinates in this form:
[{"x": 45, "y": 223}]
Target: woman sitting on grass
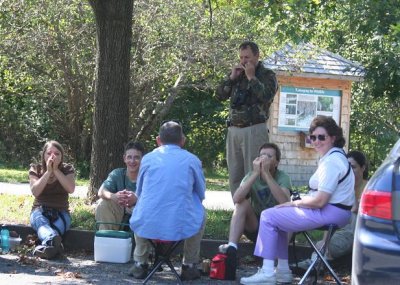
[{"x": 51, "y": 182}]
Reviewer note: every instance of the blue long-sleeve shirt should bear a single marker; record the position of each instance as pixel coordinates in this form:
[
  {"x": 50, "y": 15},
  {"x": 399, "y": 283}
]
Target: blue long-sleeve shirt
[{"x": 170, "y": 190}]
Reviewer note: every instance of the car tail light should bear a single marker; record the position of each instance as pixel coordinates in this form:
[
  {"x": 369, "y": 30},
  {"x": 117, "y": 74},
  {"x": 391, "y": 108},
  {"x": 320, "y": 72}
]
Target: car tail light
[{"x": 376, "y": 204}]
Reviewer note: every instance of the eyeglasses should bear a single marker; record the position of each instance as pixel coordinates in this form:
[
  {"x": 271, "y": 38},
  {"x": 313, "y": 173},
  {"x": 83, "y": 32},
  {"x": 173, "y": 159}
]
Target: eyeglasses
[{"x": 319, "y": 137}]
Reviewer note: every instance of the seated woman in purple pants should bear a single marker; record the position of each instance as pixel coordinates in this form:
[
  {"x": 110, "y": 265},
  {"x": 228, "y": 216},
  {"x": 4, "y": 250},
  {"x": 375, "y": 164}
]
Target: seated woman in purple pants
[{"x": 329, "y": 201}]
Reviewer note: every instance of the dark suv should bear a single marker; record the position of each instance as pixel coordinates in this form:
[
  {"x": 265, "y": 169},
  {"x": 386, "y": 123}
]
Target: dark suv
[{"x": 376, "y": 251}]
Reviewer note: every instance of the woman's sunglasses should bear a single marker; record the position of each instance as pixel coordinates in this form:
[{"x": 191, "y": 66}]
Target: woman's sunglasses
[{"x": 319, "y": 137}]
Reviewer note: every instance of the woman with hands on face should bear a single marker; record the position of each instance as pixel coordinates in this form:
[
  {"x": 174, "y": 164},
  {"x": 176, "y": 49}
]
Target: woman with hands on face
[
  {"x": 51, "y": 182},
  {"x": 263, "y": 187},
  {"x": 53, "y": 160}
]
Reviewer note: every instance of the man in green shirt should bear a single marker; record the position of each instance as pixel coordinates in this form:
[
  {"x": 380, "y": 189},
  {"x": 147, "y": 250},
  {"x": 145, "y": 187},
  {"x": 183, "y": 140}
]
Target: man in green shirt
[
  {"x": 117, "y": 192},
  {"x": 264, "y": 187}
]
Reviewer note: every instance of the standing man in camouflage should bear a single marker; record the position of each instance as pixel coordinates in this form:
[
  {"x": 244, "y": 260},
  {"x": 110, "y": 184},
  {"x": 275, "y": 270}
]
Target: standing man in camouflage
[{"x": 251, "y": 88}]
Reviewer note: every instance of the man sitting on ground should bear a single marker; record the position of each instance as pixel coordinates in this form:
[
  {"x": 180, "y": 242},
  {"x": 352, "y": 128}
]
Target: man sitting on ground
[
  {"x": 117, "y": 192},
  {"x": 264, "y": 187},
  {"x": 170, "y": 190}
]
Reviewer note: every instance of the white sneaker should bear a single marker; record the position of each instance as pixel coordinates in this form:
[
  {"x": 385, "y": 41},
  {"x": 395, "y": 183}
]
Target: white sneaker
[
  {"x": 284, "y": 276},
  {"x": 305, "y": 264},
  {"x": 223, "y": 248},
  {"x": 260, "y": 278}
]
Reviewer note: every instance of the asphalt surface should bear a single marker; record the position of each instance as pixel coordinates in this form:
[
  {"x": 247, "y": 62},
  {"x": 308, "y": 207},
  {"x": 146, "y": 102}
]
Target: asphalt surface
[{"x": 80, "y": 268}]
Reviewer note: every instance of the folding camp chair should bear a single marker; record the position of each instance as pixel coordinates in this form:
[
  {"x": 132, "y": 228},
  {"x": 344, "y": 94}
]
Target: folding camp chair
[
  {"x": 316, "y": 264},
  {"x": 163, "y": 251}
]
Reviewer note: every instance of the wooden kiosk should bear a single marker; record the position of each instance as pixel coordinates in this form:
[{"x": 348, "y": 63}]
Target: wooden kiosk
[{"x": 312, "y": 82}]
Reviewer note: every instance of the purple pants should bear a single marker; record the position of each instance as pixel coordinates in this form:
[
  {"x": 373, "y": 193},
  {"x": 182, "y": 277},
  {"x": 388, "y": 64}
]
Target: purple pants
[{"x": 276, "y": 223}]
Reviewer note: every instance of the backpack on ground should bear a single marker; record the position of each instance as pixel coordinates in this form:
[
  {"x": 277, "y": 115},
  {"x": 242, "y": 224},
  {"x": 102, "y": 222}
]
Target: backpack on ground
[{"x": 222, "y": 267}]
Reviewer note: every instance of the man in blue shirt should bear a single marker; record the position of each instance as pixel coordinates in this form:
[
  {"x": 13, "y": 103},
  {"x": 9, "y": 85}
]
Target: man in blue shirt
[
  {"x": 170, "y": 191},
  {"x": 117, "y": 192}
]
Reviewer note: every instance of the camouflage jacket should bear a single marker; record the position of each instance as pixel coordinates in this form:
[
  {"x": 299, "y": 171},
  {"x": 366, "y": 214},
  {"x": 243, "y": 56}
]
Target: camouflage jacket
[{"x": 249, "y": 100}]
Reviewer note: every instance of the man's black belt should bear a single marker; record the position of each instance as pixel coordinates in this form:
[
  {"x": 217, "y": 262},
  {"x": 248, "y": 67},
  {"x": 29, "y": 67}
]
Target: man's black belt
[{"x": 341, "y": 206}]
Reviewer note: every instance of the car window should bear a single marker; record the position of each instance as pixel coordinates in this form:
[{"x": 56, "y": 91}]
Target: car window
[
  {"x": 382, "y": 179},
  {"x": 395, "y": 152}
]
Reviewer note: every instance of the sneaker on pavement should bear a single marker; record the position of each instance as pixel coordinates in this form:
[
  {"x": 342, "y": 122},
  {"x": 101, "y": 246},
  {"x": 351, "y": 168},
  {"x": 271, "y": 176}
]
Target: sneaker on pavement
[
  {"x": 304, "y": 264},
  {"x": 259, "y": 278},
  {"x": 284, "y": 276},
  {"x": 223, "y": 248},
  {"x": 45, "y": 251},
  {"x": 51, "y": 249},
  {"x": 231, "y": 263},
  {"x": 139, "y": 270},
  {"x": 57, "y": 243},
  {"x": 189, "y": 272}
]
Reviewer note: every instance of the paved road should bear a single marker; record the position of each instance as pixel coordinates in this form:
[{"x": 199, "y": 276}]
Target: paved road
[
  {"x": 215, "y": 200},
  {"x": 79, "y": 269}
]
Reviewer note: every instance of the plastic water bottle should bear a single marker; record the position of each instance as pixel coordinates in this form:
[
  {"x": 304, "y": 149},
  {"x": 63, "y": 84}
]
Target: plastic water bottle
[{"x": 5, "y": 240}]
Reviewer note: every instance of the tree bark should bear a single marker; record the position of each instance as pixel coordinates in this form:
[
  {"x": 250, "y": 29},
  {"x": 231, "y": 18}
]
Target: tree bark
[{"x": 111, "y": 99}]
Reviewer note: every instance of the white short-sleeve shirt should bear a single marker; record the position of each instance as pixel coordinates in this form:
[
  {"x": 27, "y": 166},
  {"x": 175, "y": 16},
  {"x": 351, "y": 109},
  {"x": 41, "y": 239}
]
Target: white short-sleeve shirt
[{"x": 332, "y": 167}]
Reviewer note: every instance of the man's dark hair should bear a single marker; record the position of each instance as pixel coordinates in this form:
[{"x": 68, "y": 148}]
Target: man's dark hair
[
  {"x": 252, "y": 45},
  {"x": 360, "y": 158},
  {"x": 274, "y": 147},
  {"x": 333, "y": 130},
  {"x": 134, "y": 145},
  {"x": 171, "y": 133}
]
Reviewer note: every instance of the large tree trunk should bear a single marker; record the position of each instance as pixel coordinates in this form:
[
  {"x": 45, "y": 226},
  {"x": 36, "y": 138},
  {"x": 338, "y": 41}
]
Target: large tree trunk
[{"x": 111, "y": 100}]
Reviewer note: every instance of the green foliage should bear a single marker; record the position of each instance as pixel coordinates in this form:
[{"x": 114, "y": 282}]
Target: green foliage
[
  {"x": 45, "y": 67},
  {"x": 82, "y": 169},
  {"x": 217, "y": 226},
  {"x": 82, "y": 215},
  {"x": 363, "y": 31},
  {"x": 48, "y": 58},
  {"x": 17, "y": 175},
  {"x": 314, "y": 235},
  {"x": 15, "y": 209},
  {"x": 301, "y": 189},
  {"x": 203, "y": 122},
  {"x": 11, "y": 175},
  {"x": 20, "y": 118},
  {"x": 374, "y": 126},
  {"x": 216, "y": 180}
]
